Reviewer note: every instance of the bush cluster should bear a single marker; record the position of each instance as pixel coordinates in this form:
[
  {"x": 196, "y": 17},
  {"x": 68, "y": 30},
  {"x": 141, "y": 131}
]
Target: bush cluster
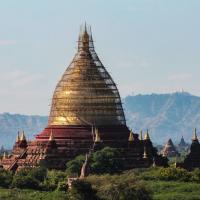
[
  {"x": 30, "y": 178},
  {"x": 5, "y": 178},
  {"x": 125, "y": 186},
  {"x": 101, "y": 162},
  {"x": 171, "y": 174}
]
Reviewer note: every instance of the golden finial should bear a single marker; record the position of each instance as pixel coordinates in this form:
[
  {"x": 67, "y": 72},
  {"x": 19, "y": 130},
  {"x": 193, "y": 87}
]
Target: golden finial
[
  {"x": 131, "y": 138},
  {"x": 18, "y": 138},
  {"x": 4, "y": 155},
  {"x": 145, "y": 153},
  {"x": 195, "y": 138},
  {"x": 23, "y": 137},
  {"x": 146, "y": 137},
  {"x": 141, "y": 137},
  {"x": 51, "y": 138},
  {"x": 97, "y": 136}
]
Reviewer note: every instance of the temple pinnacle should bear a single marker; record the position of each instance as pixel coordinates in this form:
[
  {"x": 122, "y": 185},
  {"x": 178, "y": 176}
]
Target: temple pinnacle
[
  {"x": 4, "y": 155},
  {"x": 23, "y": 137},
  {"x": 97, "y": 136},
  {"x": 195, "y": 138},
  {"x": 131, "y": 138},
  {"x": 141, "y": 137},
  {"x": 146, "y": 137},
  {"x": 18, "y": 138},
  {"x": 51, "y": 138}
]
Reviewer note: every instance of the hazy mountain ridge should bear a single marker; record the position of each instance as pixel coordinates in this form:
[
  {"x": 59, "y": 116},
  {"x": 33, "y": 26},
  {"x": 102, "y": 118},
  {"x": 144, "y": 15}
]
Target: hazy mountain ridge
[
  {"x": 165, "y": 115},
  {"x": 10, "y": 124}
]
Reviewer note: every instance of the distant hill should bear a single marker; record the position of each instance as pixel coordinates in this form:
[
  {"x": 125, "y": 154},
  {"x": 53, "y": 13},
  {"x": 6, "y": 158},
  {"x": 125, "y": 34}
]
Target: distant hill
[
  {"x": 165, "y": 115},
  {"x": 11, "y": 123}
]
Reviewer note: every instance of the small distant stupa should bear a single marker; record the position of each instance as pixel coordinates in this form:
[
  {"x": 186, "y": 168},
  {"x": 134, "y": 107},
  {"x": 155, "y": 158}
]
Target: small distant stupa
[
  {"x": 169, "y": 149},
  {"x": 182, "y": 142},
  {"x": 192, "y": 160},
  {"x": 183, "y": 145}
]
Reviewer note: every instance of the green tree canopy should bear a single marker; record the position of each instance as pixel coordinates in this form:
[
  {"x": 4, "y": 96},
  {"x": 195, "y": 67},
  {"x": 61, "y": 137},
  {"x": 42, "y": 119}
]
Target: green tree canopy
[{"x": 106, "y": 161}]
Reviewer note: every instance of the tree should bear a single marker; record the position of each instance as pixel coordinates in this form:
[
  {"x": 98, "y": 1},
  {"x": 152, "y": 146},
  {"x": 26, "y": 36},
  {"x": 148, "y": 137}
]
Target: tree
[
  {"x": 74, "y": 166},
  {"x": 82, "y": 190},
  {"x": 25, "y": 182},
  {"x": 106, "y": 161},
  {"x": 54, "y": 180},
  {"x": 5, "y": 178},
  {"x": 124, "y": 191},
  {"x": 29, "y": 178},
  {"x": 39, "y": 173}
]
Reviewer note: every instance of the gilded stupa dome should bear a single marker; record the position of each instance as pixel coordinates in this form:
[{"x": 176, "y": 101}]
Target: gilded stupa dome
[{"x": 86, "y": 93}]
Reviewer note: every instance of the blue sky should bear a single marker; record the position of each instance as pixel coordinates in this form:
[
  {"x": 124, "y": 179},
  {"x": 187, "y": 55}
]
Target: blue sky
[{"x": 148, "y": 46}]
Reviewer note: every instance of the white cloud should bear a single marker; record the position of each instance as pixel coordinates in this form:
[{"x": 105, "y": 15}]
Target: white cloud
[
  {"x": 180, "y": 77},
  {"x": 19, "y": 78},
  {"x": 130, "y": 62},
  {"x": 7, "y": 42}
]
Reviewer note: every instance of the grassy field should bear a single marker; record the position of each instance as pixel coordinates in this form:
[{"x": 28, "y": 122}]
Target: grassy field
[
  {"x": 17, "y": 194},
  {"x": 162, "y": 190}
]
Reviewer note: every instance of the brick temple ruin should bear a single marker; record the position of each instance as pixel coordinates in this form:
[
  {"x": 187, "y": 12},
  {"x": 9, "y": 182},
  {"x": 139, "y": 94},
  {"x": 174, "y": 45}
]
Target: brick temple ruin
[{"x": 86, "y": 114}]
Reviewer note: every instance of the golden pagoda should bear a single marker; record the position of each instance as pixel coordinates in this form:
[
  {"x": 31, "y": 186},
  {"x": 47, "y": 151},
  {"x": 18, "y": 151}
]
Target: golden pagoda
[
  {"x": 86, "y": 93},
  {"x": 84, "y": 98}
]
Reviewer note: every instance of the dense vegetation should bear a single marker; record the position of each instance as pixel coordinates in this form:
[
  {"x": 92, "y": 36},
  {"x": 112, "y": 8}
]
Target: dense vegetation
[
  {"x": 101, "y": 162},
  {"x": 137, "y": 184}
]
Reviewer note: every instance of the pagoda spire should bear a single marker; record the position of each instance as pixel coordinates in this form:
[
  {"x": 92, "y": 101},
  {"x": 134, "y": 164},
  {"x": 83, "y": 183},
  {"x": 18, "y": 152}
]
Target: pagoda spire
[
  {"x": 51, "y": 137},
  {"x": 84, "y": 39},
  {"x": 97, "y": 136},
  {"x": 195, "y": 138},
  {"x": 4, "y": 155},
  {"x": 131, "y": 138},
  {"x": 18, "y": 137},
  {"x": 141, "y": 137},
  {"x": 23, "y": 137},
  {"x": 146, "y": 137}
]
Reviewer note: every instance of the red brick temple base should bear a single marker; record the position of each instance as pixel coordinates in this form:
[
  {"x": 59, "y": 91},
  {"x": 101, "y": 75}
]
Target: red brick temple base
[{"x": 56, "y": 145}]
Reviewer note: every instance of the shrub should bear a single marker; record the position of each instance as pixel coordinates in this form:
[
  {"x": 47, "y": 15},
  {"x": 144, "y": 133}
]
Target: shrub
[
  {"x": 120, "y": 187},
  {"x": 29, "y": 178},
  {"x": 62, "y": 186},
  {"x": 39, "y": 173},
  {"x": 195, "y": 175},
  {"x": 106, "y": 161},
  {"x": 82, "y": 190},
  {"x": 74, "y": 166},
  {"x": 25, "y": 182},
  {"x": 5, "y": 178},
  {"x": 53, "y": 178},
  {"x": 123, "y": 191},
  {"x": 174, "y": 174}
]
